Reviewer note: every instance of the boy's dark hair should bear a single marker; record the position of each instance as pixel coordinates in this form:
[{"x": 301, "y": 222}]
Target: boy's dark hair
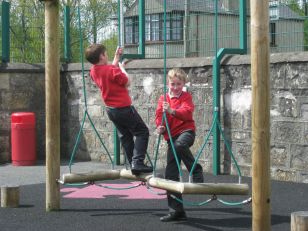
[{"x": 93, "y": 52}]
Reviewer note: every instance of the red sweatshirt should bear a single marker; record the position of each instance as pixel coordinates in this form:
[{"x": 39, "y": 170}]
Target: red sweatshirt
[
  {"x": 112, "y": 83},
  {"x": 183, "y": 118}
]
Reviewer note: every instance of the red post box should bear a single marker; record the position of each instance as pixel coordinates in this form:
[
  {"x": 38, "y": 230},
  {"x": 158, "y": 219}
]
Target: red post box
[{"x": 23, "y": 138}]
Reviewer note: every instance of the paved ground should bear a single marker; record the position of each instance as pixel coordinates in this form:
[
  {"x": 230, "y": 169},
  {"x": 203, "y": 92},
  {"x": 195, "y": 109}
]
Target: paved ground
[{"x": 93, "y": 207}]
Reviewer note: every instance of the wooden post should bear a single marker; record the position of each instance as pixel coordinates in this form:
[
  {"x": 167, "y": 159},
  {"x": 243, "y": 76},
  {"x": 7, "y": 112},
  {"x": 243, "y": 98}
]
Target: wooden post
[
  {"x": 52, "y": 85},
  {"x": 9, "y": 196},
  {"x": 299, "y": 221},
  {"x": 261, "y": 217}
]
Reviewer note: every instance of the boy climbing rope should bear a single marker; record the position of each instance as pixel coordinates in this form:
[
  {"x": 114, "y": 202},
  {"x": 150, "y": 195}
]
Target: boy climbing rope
[
  {"x": 113, "y": 81},
  {"x": 179, "y": 108}
]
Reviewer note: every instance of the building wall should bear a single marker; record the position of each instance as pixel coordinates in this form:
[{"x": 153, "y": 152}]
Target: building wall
[
  {"x": 289, "y": 35},
  {"x": 233, "y": 5},
  {"x": 22, "y": 89},
  {"x": 201, "y": 37}
]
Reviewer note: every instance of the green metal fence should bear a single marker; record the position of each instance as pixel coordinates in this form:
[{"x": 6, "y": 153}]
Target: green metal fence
[
  {"x": 190, "y": 29},
  {"x": 26, "y": 33}
]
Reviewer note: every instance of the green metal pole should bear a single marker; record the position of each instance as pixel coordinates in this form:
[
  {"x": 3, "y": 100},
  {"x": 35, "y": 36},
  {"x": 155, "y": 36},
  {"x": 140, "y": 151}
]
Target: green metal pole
[
  {"x": 243, "y": 27},
  {"x": 216, "y": 100},
  {"x": 216, "y": 77},
  {"x": 116, "y": 147},
  {"x": 5, "y": 32},
  {"x": 165, "y": 51},
  {"x": 116, "y": 141},
  {"x": 67, "y": 36},
  {"x": 120, "y": 34},
  {"x": 141, "y": 47}
]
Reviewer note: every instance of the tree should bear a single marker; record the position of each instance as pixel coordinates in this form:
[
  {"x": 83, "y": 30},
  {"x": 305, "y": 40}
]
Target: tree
[
  {"x": 27, "y": 31},
  {"x": 94, "y": 15},
  {"x": 27, "y": 27},
  {"x": 301, "y": 9}
]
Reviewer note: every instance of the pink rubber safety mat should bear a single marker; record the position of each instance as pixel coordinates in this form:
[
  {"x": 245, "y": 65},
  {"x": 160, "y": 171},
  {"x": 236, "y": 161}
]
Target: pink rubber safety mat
[{"x": 96, "y": 192}]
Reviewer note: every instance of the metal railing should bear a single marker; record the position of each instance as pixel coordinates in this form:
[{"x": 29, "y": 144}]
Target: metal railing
[{"x": 190, "y": 29}]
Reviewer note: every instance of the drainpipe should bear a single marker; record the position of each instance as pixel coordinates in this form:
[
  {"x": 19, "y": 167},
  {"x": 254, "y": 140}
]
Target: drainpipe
[
  {"x": 186, "y": 28},
  {"x": 5, "y": 32}
]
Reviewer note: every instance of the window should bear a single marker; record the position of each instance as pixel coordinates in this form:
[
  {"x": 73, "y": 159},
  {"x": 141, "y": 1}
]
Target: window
[
  {"x": 131, "y": 30},
  {"x": 154, "y": 28},
  {"x": 176, "y": 29},
  {"x": 272, "y": 34}
]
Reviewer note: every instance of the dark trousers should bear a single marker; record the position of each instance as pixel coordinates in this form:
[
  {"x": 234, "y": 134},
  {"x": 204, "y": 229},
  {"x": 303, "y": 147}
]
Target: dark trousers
[
  {"x": 181, "y": 143},
  {"x": 132, "y": 131}
]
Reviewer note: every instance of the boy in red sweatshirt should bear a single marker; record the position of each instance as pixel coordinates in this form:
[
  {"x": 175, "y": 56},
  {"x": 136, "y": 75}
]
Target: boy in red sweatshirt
[
  {"x": 112, "y": 80},
  {"x": 179, "y": 109}
]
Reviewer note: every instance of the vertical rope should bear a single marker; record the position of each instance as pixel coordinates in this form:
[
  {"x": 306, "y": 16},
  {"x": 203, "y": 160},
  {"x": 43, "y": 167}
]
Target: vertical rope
[
  {"x": 82, "y": 60},
  {"x": 165, "y": 93},
  {"x": 86, "y": 114}
]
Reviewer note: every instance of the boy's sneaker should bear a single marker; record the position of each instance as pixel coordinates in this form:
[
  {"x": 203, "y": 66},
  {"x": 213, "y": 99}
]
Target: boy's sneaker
[
  {"x": 174, "y": 216},
  {"x": 140, "y": 168},
  {"x": 198, "y": 178}
]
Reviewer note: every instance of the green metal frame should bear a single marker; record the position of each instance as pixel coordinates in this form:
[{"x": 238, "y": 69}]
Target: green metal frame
[
  {"x": 141, "y": 47},
  {"x": 216, "y": 79},
  {"x": 67, "y": 36},
  {"x": 116, "y": 147},
  {"x": 5, "y": 32}
]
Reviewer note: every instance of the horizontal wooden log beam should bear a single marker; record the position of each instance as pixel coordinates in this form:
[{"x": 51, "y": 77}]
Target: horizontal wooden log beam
[
  {"x": 199, "y": 188},
  {"x": 90, "y": 176}
]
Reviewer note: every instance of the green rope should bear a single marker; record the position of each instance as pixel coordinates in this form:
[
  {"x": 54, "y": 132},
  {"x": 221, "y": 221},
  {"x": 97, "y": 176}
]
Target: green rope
[
  {"x": 164, "y": 117},
  {"x": 173, "y": 149},
  {"x": 229, "y": 150},
  {"x": 76, "y": 184},
  {"x": 149, "y": 188},
  {"x": 190, "y": 203},
  {"x": 165, "y": 93},
  {"x": 118, "y": 188},
  {"x": 247, "y": 201},
  {"x": 100, "y": 139},
  {"x": 76, "y": 143},
  {"x": 86, "y": 114},
  {"x": 216, "y": 122},
  {"x": 202, "y": 147},
  {"x": 216, "y": 111},
  {"x": 214, "y": 197},
  {"x": 156, "y": 154},
  {"x": 149, "y": 159}
]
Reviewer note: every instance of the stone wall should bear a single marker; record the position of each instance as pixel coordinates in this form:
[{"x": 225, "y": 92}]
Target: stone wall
[{"x": 22, "y": 89}]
